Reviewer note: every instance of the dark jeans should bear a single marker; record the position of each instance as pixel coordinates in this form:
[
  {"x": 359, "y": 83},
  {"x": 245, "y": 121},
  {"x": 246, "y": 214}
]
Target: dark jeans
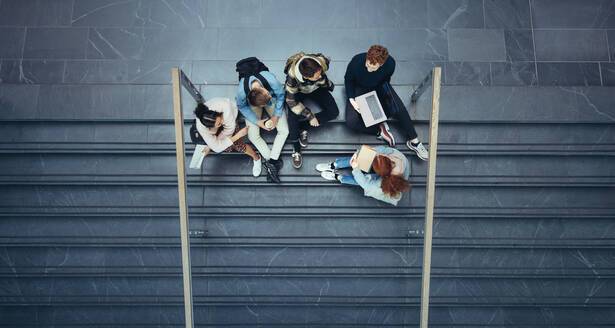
[
  {"x": 298, "y": 123},
  {"x": 391, "y": 104}
]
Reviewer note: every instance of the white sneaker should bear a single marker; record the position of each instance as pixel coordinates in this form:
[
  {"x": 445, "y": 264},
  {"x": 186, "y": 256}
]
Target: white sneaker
[
  {"x": 328, "y": 175},
  {"x": 420, "y": 150},
  {"x": 257, "y": 167},
  {"x": 322, "y": 167}
]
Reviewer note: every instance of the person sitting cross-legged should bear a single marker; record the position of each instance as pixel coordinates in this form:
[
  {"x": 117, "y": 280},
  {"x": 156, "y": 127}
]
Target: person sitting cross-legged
[
  {"x": 372, "y": 71},
  {"x": 217, "y": 124}
]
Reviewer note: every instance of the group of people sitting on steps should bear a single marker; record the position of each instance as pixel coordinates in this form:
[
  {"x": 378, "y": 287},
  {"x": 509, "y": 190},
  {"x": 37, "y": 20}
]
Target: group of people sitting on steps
[{"x": 259, "y": 90}]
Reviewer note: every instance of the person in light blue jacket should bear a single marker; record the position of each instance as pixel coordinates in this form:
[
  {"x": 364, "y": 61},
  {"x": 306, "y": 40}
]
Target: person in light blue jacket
[
  {"x": 387, "y": 184},
  {"x": 251, "y": 106}
]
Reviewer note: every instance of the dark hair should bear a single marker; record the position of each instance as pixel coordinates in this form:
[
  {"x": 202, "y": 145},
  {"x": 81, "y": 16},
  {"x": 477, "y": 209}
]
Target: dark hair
[
  {"x": 308, "y": 67},
  {"x": 258, "y": 97},
  {"x": 206, "y": 115},
  {"x": 391, "y": 185}
]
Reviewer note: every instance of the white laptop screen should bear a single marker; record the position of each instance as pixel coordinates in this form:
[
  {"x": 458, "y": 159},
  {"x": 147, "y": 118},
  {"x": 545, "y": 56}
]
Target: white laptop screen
[{"x": 370, "y": 108}]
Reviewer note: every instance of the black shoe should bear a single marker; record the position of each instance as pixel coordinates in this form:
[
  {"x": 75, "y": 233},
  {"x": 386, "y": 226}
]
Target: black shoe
[
  {"x": 297, "y": 159},
  {"x": 303, "y": 138},
  {"x": 272, "y": 172},
  {"x": 279, "y": 163}
]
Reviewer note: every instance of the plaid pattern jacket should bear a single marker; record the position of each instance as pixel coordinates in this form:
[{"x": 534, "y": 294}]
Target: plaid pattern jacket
[{"x": 294, "y": 85}]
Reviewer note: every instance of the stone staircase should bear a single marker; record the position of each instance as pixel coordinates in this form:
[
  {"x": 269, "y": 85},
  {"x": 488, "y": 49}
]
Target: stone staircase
[{"x": 89, "y": 230}]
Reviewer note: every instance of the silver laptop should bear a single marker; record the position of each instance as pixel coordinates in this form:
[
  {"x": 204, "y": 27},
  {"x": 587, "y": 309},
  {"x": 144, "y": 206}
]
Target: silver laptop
[{"x": 371, "y": 110}]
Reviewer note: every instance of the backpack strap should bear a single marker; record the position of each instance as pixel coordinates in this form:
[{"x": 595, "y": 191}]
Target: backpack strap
[
  {"x": 263, "y": 81},
  {"x": 260, "y": 78},
  {"x": 246, "y": 87}
]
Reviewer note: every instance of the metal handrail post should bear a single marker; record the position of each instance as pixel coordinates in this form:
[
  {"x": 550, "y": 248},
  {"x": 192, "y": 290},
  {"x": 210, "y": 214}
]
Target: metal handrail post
[
  {"x": 431, "y": 188},
  {"x": 181, "y": 188}
]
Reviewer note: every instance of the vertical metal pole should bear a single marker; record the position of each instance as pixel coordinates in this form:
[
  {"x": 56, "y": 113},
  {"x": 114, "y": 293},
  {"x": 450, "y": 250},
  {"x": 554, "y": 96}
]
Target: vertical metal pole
[
  {"x": 431, "y": 189},
  {"x": 181, "y": 187}
]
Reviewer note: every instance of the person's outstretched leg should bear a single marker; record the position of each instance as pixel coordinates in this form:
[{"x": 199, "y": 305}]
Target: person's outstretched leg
[
  {"x": 394, "y": 107},
  {"x": 342, "y": 163},
  {"x": 254, "y": 134},
  {"x": 256, "y": 167},
  {"x": 280, "y": 137}
]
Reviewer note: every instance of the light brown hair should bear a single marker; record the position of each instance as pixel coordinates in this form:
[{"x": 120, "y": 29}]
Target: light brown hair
[
  {"x": 391, "y": 185},
  {"x": 258, "y": 97},
  {"x": 377, "y": 55}
]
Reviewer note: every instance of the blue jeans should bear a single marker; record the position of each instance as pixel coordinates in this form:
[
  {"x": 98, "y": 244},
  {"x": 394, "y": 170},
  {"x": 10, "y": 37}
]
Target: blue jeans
[{"x": 343, "y": 163}]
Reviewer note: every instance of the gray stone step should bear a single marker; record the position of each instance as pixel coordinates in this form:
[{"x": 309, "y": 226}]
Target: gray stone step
[
  {"x": 276, "y": 200},
  {"x": 308, "y": 262},
  {"x": 469, "y": 170},
  {"x": 458, "y": 103}
]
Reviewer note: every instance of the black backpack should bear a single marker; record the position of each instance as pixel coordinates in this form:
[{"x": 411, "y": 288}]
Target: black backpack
[
  {"x": 251, "y": 66},
  {"x": 195, "y": 136}
]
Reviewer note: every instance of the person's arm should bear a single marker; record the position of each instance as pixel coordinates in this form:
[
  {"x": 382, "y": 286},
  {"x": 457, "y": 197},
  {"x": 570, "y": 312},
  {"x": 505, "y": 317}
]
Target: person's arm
[
  {"x": 329, "y": 84},
  {"x": 277, "y": 89},
  {"x": 349, "y": 82},
  {"x": 364, "y": 180},
  {"x": 292, "y": 88},
  {"x": 241, "y": 133},
  {"x": 389, "y": 74},
  {"x": 349, "y": 85},
  {"x": 242, "y": 104},
  {"x": 384, "y": 150},
  {"x": 217, "y": 143}
]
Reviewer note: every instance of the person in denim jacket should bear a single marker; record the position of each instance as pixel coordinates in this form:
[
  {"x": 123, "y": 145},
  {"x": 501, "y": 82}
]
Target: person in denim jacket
[{"x": 387, "y": 184}]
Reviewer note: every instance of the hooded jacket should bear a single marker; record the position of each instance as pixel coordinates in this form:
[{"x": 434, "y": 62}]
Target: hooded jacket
[{"x": 296, "y": 84}]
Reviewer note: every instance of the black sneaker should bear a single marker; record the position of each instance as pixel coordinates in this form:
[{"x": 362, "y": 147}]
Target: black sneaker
[
  {"x": 297, "y": 159},
  {"x": 303, "y": 139},
  {"x": 272, "y": 172},
  {"x": 279, "y": 163}
]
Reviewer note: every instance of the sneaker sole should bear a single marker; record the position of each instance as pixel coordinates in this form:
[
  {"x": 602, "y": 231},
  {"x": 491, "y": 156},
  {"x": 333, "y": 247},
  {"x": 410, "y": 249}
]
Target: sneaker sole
[
  {"x": 332, "y": 180},
  {"x": 416, "y": 151}
]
